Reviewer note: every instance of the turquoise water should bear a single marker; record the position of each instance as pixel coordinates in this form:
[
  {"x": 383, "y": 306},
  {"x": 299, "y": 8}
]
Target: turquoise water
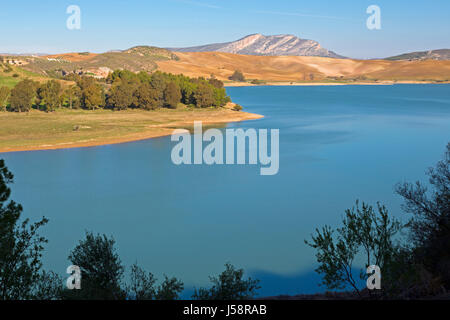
[{"x": 337, "y": 144}]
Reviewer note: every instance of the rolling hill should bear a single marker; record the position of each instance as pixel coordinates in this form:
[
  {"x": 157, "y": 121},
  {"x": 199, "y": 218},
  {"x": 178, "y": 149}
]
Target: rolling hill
[
  {"x": 140, "y": 58},
  {"x": 441, "y": 54},
  {"x": 10, "y": 75},
  {"x": 304, "y": 69},
  {"x": 222, "y": 65}
]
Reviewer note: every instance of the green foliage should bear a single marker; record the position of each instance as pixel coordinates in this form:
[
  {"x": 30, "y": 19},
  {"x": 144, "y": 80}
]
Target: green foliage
[
  {"x": 4, "y": 94},
  {"x": 364, "y": 231},
  {"x": 126, "y": 89},
  {"x": 430, "y": 223},
  {"x": 48, "y": 286},
  {"x": 22, "y": 95},
  {"x": 229, "y": 285},
  {"x": 204, "y": 96},
  {"x": 142, "y": 286},
  {"x": 172, "y": 95},
  {"x": 122, "y": 96},
  {"x": 73, "y": 96},
  {"x": 237, "y": 76},
  {"x": 92, "y": 96},
  {"x": 170, "y": 289},
  {"x": 237, "y": 107},
  {"x": 101, "y": 269},
  {"x": 50, "y": 94},
  {"x": 220, "y": 97},
  {"x": 148, "y": 98},
  {"x": 20, "y": 247},
  {"x": 257, "y": 82},
  {"x": 216, "y": 83}
]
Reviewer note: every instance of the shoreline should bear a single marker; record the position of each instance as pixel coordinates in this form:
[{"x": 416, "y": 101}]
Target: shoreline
[
  {"x": 166, "y": 129},
  {"x": 153, "y": 131},
  {"x": 289, "y": 83}
]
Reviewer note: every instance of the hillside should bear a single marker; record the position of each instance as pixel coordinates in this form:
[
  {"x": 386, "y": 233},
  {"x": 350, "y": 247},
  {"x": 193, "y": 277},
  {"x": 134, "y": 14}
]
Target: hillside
[
  {"x": 222, "y": 65},
  {"x": 441, "y": 54},
  {"x": 294, "y": 68},
  {"x": 10, "y": 75},
  {"x": 141, "y": 58},
  {"x": 258, "y": 44}
]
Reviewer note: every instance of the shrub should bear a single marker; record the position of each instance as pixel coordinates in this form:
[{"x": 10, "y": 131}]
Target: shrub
[
  {"x": 229, "y": 285},
  {"x": 237, "y": 107},
  {"x": 237, "y": 76},
  {"x": 364, "y": 232}
]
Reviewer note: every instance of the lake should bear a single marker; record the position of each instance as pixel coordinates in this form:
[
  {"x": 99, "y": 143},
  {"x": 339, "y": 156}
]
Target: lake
[{"x": 337, "y": 144}]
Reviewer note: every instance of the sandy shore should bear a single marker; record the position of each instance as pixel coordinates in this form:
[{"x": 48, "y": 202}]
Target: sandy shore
[{"x": 151, "y": 131}]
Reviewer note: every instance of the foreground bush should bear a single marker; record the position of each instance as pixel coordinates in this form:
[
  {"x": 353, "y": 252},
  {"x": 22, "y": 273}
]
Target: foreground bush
[{"x": 229, "y": 285}]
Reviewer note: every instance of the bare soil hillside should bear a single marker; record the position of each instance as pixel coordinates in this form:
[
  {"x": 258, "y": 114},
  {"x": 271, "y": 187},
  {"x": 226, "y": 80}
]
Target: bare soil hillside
[{"x": 295, "y": 68}]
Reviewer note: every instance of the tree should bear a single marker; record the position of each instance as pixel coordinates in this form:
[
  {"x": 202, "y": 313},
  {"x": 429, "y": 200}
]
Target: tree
[
  {"x": 216, "y": 83},
  {"x": 430, "y": 223},
  {"x": 92, "y": 97},
  {"x": 237, "y": 76},
  {"x": 50, "y": 93},
  {"x": 170, "y": 289},
  {"x": 73, "y": 96},
  {"x": 147, "y": 97},
  {"x": 187, "y": 91},
  {"x": 229, "y": 285},
  {"x": 4, "y": 94},
  {"x": 158, "y": 83},
  {"x": 220, "y": 97},
  {"x": 101, "y": 269},
  {"x": 21, "y": 98},
  {"x": 121, "y": 96},
  {"x": 142, "y": 285},
  {"x": 204, "y": 96},
  {"x": 172, "y": 95},
  {"x": 48, "y": 286},
  {"x": 364, "y": 232},
  {"x": 20, "y": 247},
  {"x": 237, "y": 107}
]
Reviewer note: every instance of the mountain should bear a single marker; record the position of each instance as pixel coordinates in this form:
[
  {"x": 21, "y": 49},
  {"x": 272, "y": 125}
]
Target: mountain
[
  {"x": 441, "y": 54},
  {"x": 258, "y": 44}
]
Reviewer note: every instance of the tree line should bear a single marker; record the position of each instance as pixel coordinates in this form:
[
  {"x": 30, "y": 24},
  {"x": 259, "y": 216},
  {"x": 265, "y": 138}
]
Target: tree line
[{"x": 121, "y": 90}]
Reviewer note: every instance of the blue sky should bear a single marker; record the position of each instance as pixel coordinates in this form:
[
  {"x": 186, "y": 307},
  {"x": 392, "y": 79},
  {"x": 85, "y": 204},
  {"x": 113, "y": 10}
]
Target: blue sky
[{"x": 40, "y": 26}]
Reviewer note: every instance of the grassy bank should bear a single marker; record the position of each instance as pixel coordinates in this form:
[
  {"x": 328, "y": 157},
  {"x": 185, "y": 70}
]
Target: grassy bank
[
  {"x": 11, "y": 75},
  {"x": 66, "y": 128}
]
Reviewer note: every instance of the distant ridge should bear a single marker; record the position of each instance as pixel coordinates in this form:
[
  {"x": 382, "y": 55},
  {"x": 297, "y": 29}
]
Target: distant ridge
[
  {"x": 441, "y": 54},
  {"x": 258, "y": 44}
]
